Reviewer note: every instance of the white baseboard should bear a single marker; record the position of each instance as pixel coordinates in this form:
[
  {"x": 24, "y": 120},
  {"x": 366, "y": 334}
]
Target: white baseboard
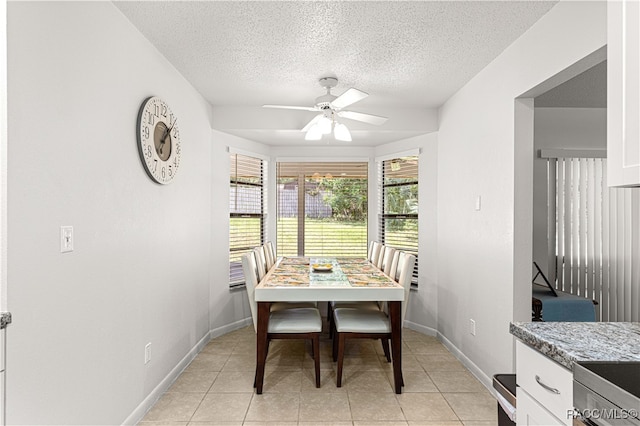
[
  {"x": 159, "y": 390},
  {"x": 486, "y": 381},
  {"x": 473, "y": 368},
  {"x": 217, "y": 332},
  {"x": 421, "y": 328}
]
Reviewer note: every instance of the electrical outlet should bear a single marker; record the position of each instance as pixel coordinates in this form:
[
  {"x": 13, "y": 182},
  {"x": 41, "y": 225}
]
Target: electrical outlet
[
  {"x": 66, "y": 239},
  {"x": 472, "y": 327},
  {"x": 147, "y": 353}
]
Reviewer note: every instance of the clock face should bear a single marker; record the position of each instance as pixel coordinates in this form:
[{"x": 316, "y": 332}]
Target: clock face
[{"x": 158, "y": 140}]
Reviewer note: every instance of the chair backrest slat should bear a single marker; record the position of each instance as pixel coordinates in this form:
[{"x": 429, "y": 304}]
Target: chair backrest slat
[
  {"x": 380, "y": 257},
  {"x": 272, "y": 251},
  {"x": 249, "y": 268},
  {"x": 387, "y": 261},
  {"x": 408, "y": 263},
  {"x": 374, "y": 254},
  {"x": 261, "y": 261},
  {"x": 400, "y": 265},
  {"x": 268, "y": 256},
  {"x": 394, "y": 265}
]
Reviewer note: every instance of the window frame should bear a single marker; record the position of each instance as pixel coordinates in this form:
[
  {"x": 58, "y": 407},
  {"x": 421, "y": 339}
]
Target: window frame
[
  {"x": 300, "y": 172},
  {"x": 383, "y": 216},
  {"x": 235, "y": 268}
]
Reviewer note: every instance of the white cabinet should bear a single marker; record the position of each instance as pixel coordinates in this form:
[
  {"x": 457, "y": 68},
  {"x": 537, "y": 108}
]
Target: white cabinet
[
  {"x": 623, "y": 93},
  {"x": 544, "y": 387},
  {"x": 530, "y": 413}
]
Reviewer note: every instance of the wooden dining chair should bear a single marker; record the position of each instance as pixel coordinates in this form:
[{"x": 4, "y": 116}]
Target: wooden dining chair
[
  {"x": 397, "y": 265},
  {"x": 370, "y": 250},
  {"x": 387, "y": 259},
  {"x": 353, "y": 323},
  {"x": 295, "y": 323},
  {"x": 372, "y": 305},
  {"x": 374, "y": 252},
  {"x": 269, "y": 254},
  {"x": 393, "y": 270},
  {"x": 261, "y": 262},
  {"x": 380, "y": 257}
]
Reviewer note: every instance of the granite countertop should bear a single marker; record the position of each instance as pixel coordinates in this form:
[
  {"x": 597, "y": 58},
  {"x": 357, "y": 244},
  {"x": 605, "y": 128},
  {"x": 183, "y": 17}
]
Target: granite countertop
[
  {"x": 5, "y": 319},
  {"x": 568, "y": 342}
]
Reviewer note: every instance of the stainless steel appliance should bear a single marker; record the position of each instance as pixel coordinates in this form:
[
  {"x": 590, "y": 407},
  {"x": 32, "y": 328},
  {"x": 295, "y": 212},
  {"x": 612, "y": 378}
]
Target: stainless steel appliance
[{"x": 607, "y": 393}]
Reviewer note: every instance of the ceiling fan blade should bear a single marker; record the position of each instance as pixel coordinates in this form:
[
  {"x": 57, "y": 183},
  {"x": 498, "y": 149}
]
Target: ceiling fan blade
[
  {"x": 349, "y": 97},
  {"x": 359, "y": 116},
  {"x": 313, "y": 121},
  {"x": 291, "y": 107}
]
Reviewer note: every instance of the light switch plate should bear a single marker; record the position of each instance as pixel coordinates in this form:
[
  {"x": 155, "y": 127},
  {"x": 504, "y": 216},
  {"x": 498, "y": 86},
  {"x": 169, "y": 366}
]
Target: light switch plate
[{"x": 66, "y": 239}]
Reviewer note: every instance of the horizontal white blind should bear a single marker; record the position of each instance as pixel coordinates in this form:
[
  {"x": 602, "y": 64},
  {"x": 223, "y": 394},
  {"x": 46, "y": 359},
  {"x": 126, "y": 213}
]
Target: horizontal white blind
[
  {"x": 399, "y": 206},
  {"x": 246, "y": 207},
  {"x": 594, "y": 237},
  {"x": 322, "y": 209}
]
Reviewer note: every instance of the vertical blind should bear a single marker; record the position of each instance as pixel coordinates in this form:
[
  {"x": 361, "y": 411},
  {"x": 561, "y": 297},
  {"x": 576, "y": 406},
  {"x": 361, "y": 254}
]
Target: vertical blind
[
  {"x": 246, "y": 207},
  {"x": 594, "y": 231},
  {"x": 322, "y": 209},
  {"x": 399, "y": 206}
]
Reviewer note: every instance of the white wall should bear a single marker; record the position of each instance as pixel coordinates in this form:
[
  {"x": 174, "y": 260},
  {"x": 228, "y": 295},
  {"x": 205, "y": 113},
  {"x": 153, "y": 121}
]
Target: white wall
[
  {"x": 560, "y": 128},
  {"x": 477, "y": 250},
  {"x": 140, "y": 272}
]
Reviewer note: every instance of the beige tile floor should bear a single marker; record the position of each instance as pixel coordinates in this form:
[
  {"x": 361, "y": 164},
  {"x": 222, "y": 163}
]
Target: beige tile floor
[{"x": 217, "y": 387}]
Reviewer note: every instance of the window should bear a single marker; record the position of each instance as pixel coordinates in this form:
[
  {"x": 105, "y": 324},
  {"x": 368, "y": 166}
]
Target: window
[
  {"x": 322, "y": 209},
  {"x": 246, "y": 207},
  {"x": 399, "y": 206}
]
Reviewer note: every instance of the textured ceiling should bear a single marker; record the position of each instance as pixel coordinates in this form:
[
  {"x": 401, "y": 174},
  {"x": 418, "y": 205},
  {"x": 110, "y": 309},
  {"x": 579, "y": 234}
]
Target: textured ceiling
[{"x": 406, "y": 55}]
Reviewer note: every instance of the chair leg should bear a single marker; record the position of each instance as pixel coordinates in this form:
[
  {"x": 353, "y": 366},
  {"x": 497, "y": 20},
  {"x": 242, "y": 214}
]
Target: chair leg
[
  {"x": 316, "y": 356},
  {"x": 385, "y": 348},
  {"x": 340, "y": 338},
  {"x": 334, "y": 352}
]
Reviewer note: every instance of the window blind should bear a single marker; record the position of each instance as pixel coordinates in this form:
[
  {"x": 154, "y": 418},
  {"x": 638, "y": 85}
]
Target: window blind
[
  {"x": 246, "y": 211},
  {"x": 594, "y": 237},
  {"x": 322, "y": 209},
  {"x": 398, "y": 225}
]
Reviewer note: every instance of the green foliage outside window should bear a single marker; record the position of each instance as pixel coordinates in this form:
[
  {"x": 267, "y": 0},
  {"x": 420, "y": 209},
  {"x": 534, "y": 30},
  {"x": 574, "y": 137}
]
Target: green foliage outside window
[{"x": 347, "y": 198}]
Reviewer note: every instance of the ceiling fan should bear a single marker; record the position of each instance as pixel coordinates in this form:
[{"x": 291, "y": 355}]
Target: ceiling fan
[{"x": 330, "y": 107}]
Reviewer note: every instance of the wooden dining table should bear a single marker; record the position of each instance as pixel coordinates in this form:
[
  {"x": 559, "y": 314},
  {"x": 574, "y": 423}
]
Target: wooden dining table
[{"x": 294, "y": 279}]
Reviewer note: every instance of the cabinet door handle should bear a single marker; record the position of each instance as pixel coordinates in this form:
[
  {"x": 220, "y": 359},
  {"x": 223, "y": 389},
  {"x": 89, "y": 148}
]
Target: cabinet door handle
[{"x": 547, "y": 387}]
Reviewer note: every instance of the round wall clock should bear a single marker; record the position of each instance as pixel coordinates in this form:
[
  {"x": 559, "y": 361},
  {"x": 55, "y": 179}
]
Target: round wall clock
[{"x": 158, "y": 140}]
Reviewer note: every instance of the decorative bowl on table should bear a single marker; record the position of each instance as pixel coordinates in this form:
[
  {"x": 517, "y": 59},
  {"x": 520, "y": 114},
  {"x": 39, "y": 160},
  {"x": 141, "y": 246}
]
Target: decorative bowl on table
[{"x": 322, "y": 267}]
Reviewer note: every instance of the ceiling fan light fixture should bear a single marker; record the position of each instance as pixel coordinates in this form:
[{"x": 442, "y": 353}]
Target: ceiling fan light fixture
[
  {"x": 324, "y": 124},
  {"x": 330, "y": 108},
  {"x": 313, "y": 134},
  {"x": 341, "y": 133}
]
